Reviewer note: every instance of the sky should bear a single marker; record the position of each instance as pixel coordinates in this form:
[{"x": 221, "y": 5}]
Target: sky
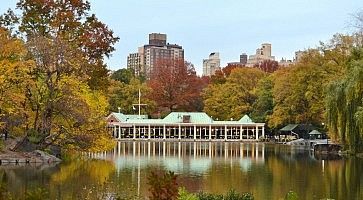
[{"x": 230, "y": 27}]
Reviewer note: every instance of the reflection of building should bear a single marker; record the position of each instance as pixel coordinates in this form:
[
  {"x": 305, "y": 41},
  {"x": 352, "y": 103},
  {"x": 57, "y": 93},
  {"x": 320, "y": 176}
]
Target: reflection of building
[
  {"x": 150, "y": 54},
  {"x": 184, "y": 126},
  {"x": 197, "y": 157},
  {"x": 211, "y": 64},
  {"x": 263, "y": 53}
]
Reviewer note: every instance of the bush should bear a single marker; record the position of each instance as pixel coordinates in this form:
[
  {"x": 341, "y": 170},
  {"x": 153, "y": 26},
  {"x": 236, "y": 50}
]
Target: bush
[
  {"x": 163, "y": 186},
  {"x": 291, "y": 195},
  {"x": 183, "y": 194}
]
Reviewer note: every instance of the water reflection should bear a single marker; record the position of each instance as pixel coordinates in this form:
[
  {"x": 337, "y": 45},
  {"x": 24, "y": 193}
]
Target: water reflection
[
  {"x": 194, "y": 157},
  {"x": 268, "y": 171}
]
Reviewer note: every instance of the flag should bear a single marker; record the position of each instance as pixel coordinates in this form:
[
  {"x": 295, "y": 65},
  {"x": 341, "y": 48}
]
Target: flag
[{"x": 133, "y": 108}]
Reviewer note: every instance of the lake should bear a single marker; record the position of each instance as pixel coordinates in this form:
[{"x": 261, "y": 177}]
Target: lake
[{"x": 268, "y": 171}]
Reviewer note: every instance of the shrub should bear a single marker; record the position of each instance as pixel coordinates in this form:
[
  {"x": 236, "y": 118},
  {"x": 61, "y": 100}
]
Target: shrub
[
  {"x": 163, "y": 185},
  {"x": 183, "y": 194},
  {"x": 291, "y": 195}
]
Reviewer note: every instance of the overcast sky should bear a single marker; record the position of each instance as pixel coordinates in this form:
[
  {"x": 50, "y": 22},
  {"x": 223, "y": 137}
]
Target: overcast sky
[{"x": 230, "y": 27}]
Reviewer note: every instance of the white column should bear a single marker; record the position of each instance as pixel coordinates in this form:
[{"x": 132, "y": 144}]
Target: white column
[
  {"x": 256, "y": 132},
  {"x": 210, "y": 132},
  {"x": 119, "y": 132},
  {"x": 225, "y": 132},
  {"x": 164, "y": 131},
  {"x": 195, "y": 132},
  {"x": 149, "y": 131},
  {"x": 247, "y": 134},
  {"x": 263, "y": 132},
  {"x": 179, "y": 131},
  {"x": 134, "y": 131},
  {"x": 240, "y": 132}
]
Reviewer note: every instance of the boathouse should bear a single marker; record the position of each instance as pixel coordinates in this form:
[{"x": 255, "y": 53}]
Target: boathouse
[{"x": 183, "y": 125}]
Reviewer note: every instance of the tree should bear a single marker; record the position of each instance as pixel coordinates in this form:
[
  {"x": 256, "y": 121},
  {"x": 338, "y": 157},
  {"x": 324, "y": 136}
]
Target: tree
[
  {"x": 14, "y": 76},
  {"x": 268, "y": 66},
  {"x": 174, "y": 85},
  {"x": 345, "y": 102},
  {"x": 221, "y": 75},
  {"x": 123, "y": 96},
  {"x": 233, "y": 98},
  {"x": 69, "y": 21},
  {"x": 64, "y": 100},
  {"x": 123, "y": 75},
  {"x": 263, "y": 106},
  {"x": 299, "y": 91}
]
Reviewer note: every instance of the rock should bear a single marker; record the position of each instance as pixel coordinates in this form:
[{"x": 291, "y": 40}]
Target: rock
[{"x": 46, "y": 157}]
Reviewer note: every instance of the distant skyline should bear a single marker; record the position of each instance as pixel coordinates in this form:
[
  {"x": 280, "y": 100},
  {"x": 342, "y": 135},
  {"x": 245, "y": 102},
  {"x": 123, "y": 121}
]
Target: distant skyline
[{"x": 230, "y": 27}]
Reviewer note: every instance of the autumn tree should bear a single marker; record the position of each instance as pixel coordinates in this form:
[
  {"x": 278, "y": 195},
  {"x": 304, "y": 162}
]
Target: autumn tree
[
  {"x": 14, "y": 76},
  {"x": 220, "y": 75},
  {"x": 69, "y": 21},
  {"x": 299, "y": 91},
  {"x": 235, "y": 97},
  {"x": 64, "y": 97},
  {"x": 268, "y": 66},
  {"x": 174, "y": 85}
]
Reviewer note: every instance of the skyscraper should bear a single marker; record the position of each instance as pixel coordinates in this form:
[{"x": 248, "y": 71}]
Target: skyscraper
[
  {"x": 211, "y": 64},
  {"x": 263, "y": 53},
  {"x": 157, "y": 49},
  {"x": 243, "y": 59}
]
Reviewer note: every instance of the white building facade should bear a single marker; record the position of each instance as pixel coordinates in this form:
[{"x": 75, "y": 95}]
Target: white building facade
[{"x": 212, "y": 64}]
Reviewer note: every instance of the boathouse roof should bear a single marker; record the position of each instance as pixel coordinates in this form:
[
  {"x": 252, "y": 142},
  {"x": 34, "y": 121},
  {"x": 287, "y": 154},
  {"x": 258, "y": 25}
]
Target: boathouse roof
[
  {"x": 188, "y": 117},
  {"x": 289, "y": 127},
  {"x": 245, "y": 119},
  {"x": 176, "y": 118},
  {"x": 123, "y": 118}
]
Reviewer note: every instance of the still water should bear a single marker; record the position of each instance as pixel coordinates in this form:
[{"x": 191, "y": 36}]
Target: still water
[{"x": 267, "y": 171}]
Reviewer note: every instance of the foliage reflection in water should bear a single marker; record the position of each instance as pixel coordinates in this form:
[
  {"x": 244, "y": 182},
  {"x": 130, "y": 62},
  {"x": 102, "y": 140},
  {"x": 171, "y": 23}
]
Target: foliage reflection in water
[{"x": 267, "y": 171}]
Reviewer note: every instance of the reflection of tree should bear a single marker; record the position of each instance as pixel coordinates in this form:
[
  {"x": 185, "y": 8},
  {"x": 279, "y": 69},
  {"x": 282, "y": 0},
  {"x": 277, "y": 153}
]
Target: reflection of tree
[{"x": 77, "y": 179}]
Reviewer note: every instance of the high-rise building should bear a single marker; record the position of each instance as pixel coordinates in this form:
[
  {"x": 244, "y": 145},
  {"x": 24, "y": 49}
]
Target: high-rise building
[
  {"x": 157, "y": 49},
  {"x": 134, "y": 62},
  {"x": 298, "y": 55},
  {"x": 211, "y": 64},
  {"x": 243, "y": 59},
  {"x": 263, "y": 53}
]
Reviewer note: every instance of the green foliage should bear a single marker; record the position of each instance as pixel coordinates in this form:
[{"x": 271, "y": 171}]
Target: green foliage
[
  {"x": 291, "y": 195},
  {"x": 123, "y": 75},
  {"x": 163, "y": 185},
  {"x": 183, "y": 194},
  {"x": 231, "y": 195},
  {"x": 344, "y": 104},
  {"x": 263, "y": 106},
  {"x": 124, "y": 95},
  {"x": 37, "y": 194}
]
